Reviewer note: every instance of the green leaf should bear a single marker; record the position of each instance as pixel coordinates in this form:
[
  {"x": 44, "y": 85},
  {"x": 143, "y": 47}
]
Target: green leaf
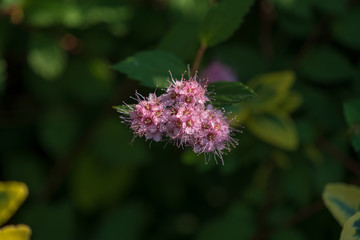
[
  {"x": 190, "y": 9},
  {"x": 15, "y": 232},
  {"x": 46, "y": 57},
  {"x": 326, "y": 65},
  {"x": 152, "y": 68},
  {"x": 237, "y": 223},
  {"x": 227, "y": 93},
  {"x": 342, "y": 200},
  {"x": 272, "y": 89},
  {"x": 352, "y": 116},
  {"x": 351, "y": 230},
  {"x": 124, "y": 223},
  {"x": 12, "y": 195},
  {"x": 182, "y": 45},
  {"x": 346, "y": 29},
  {"x": 276, "y": 129},
  {"x": 222, "y": 20}
]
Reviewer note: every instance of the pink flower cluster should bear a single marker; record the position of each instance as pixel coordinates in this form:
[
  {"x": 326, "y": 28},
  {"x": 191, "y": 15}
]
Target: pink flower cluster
[{"x": 182, "y": 116}]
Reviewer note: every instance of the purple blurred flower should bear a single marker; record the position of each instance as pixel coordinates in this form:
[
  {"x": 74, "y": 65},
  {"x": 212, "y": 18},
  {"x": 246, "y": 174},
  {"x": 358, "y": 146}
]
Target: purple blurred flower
[{"x": 217, "y": 71}]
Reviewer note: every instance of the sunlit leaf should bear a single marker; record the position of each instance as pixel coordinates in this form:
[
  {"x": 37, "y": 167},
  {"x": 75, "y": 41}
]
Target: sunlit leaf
[
  {"x": 152, "y": 68},
  {"x": 342, "y": 200},
  {"x": 292, "y": 102},
  {"x": 222, "y": 20},
  {"x": 12, "y": 195},
  {"x": 346, "y": 29},
  {"x": 326, "y": 65},
  {"x": 276, "y": 129},
  {"x": 351, "y": 229},
  {"x": 15, "y": 232},
  {"x": 272, "y": 89},
  {"x": 227, "y": 93},
  {"x": 46, "y": 57}
]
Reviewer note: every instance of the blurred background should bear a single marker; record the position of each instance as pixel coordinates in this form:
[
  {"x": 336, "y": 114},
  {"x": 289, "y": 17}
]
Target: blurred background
[{"x": 60, "y": 135}]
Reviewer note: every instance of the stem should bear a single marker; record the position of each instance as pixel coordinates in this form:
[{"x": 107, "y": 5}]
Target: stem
[{"x": 199, "y": 55}]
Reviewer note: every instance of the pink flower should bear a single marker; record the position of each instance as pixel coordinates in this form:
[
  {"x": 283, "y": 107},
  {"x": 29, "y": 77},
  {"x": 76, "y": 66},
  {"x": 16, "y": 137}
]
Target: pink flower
[
  {"x": 182, "y": 116},
  {"x": 188, "y": 92},
  {"x": 147, "y": 117}
]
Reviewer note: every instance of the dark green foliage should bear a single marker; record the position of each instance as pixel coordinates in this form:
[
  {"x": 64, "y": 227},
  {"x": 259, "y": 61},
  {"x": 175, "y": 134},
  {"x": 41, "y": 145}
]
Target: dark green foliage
[
  {"x": 326, "y": 65},
  {"x": 222, "y": 20},
  {"x": 68, "y": 66}
]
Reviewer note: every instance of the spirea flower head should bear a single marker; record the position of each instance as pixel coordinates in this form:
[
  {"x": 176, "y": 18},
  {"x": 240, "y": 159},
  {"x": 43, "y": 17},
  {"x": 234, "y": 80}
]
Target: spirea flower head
[{"x": 182, "y": 115}]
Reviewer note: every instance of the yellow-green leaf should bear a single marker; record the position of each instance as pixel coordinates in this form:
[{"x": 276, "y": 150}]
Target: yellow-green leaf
[
  {"x": 12, "y": 195},
  {"x": 292, "y": 102},
  {"x": 276, "y": 129},
  {"x": 272, "y": 89},
  {"x": 15, "y": 232},
  {"x": 342, "y": 200},
  {"x": 351, "y": 230}
]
